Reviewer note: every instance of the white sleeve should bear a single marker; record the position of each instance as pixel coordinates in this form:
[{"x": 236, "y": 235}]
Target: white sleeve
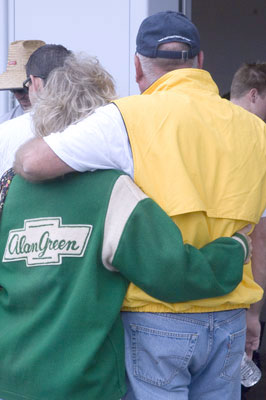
[
  {"x": 99, "y": 141},
  {"x": 264, "y": 214}
]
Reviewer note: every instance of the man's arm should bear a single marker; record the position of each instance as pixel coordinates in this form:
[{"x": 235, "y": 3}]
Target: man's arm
[
  {"x": 35, "y": 161},
  {"x": 259, "y": 272},
  {"x": 152, "y": 255},
  {"x": 144, "y": 244},
  {"x": 99, "y": 141}
]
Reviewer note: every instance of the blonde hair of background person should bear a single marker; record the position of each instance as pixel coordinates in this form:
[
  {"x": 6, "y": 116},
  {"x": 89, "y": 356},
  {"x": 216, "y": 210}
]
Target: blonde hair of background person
[{"x": 71, "y": 93}]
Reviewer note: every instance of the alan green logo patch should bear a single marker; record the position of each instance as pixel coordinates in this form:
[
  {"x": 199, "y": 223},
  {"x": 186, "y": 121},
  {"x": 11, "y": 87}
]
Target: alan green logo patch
[{"x": 44, "y": 241}]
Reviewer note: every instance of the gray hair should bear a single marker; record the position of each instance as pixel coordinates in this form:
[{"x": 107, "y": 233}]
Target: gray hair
[
  {"x": 154, "y": 68},
  {"x": 72, "y": 92}
]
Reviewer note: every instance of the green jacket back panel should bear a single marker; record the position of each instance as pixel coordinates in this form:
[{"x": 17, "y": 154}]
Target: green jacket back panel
[
  {"x": 62, "y": 245},
  {"x": 48, "y": 310}
]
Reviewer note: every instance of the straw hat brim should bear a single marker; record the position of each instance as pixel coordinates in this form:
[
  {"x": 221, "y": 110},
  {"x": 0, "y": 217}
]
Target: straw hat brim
[{"x": 12, "y": 80}]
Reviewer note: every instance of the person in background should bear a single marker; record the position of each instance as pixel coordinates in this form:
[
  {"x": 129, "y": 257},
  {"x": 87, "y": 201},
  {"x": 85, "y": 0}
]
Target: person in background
[
  {"x": 181, "y": 142},
  {"x": 40, "y": 64},
  {"x": 14, "y": 76},
  {"x": 15, "y": 132},
  {"x": 248, "y": 90},
  {"x": 69, "y": 249}
]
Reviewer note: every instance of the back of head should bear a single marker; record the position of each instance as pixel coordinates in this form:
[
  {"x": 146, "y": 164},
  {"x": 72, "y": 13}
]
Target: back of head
[
  {"x": 247, "y": 77},
  {"x": 45, "y": 59},
  {"x": 72, "y": 92},
  {"x": 168, "y": 27},
  {"x": 167, "y": 41}
]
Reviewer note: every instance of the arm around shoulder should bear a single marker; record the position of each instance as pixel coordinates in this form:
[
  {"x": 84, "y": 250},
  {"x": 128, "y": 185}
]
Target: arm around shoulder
[{"x": 36, "y": 161}]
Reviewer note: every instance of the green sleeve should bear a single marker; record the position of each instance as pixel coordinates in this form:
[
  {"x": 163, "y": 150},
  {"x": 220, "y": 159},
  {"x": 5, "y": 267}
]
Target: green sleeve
[{"x": 152, "y": 255}]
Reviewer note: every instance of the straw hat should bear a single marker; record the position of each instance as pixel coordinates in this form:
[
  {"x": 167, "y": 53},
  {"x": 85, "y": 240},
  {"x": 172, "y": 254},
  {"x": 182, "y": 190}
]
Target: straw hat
[{"x": 18, "y": 55}]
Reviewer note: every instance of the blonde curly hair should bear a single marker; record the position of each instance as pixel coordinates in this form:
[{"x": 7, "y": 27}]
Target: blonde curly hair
[{"x": 71, "y": 93}]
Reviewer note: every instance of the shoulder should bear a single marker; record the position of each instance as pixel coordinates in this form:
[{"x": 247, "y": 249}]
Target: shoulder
[
  {"x": 20, "y": 125},
  {"x": 104, "y": 120},
  {"x": 17, "y": 111},
  {"x": 14, "y": 113},
  {"x": 5, "y": 117},
  {"x": 130, "y": 100},
  {"x": 110, "y": 111},
  {"x": 105, "y": 123}
]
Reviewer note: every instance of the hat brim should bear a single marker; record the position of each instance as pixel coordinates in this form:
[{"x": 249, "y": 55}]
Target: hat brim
[{"x": 12, "y": 80}]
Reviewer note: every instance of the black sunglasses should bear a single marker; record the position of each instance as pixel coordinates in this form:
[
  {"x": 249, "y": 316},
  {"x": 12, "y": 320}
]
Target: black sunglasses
[
  {"x": 25, "y": 88},
  {"x": 27, "y": 83}
]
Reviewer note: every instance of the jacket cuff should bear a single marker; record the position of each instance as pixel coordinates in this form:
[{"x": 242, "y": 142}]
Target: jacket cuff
[{"x": 243, "y": 241}]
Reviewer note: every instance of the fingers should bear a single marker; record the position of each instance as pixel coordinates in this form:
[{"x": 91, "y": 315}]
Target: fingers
[
  {"x": 251, "y": 347},
  {"x": 253, "y": 333},
  {"x": 249, "y": 353}
]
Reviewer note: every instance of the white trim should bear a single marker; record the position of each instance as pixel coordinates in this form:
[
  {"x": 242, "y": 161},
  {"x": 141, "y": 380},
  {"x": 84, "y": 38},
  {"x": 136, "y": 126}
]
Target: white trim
[
  {"x": 174, "y": 37},
  {"x": 243, "y": 245},
  {"x": 124, "y": 198}
]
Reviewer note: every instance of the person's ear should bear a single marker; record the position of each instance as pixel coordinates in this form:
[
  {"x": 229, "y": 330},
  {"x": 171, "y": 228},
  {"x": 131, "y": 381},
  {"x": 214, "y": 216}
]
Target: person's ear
[
  {"x": 138, "y": 68},
  {"x": 253, "y": 95},
  {"x": 200, "y": 59},
  {"x": 36, "y": 83}
]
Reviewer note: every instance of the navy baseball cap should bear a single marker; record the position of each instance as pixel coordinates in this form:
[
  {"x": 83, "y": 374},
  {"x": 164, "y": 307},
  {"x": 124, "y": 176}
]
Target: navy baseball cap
[{"x": 167, "y": 27}]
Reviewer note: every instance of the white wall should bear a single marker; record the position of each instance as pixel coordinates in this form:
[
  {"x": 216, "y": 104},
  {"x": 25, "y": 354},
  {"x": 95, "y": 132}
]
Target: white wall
[
  {"x": 4, "y": 104},
  {"x": 100, "y": 28},
  {"x": 138, "y": 11},
  {"x": 104, "y": 28},
  {"x": 231, "y": 32}
]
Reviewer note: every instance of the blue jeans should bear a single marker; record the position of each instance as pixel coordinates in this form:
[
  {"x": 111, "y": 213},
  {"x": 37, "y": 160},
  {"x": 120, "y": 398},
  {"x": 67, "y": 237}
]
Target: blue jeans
[{"x": 184, "y": 356}]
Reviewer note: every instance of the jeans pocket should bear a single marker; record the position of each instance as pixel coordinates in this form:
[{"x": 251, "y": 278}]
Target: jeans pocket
[
  {"x": 157, "y": 355},
  {"x": 235, "y": 351}
]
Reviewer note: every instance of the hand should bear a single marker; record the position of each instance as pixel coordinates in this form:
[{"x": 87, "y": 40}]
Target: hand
[
  {"x": 244, "y": 231},
  {"x": 253, "y": 333}
]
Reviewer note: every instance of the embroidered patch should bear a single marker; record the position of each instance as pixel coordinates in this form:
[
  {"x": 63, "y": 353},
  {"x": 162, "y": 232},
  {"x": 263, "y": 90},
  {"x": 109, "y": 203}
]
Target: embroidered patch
[{"x": 44, "y": 241}]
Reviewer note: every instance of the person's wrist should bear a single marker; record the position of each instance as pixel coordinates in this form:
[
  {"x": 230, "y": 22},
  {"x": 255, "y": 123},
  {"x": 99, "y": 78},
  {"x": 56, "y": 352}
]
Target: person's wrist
[{"x": 242, "y": 239}]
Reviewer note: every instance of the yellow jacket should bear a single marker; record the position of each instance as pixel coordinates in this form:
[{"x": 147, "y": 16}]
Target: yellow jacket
[{"x": 203, "y": 160}]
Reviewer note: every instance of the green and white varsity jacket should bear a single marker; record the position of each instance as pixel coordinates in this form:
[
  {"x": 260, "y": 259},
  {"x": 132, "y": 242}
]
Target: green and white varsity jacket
[{"x": 69, "y": 249}]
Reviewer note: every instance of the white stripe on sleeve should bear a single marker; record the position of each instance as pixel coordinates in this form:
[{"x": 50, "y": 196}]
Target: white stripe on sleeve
[{"x": 124, "y": 198}]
